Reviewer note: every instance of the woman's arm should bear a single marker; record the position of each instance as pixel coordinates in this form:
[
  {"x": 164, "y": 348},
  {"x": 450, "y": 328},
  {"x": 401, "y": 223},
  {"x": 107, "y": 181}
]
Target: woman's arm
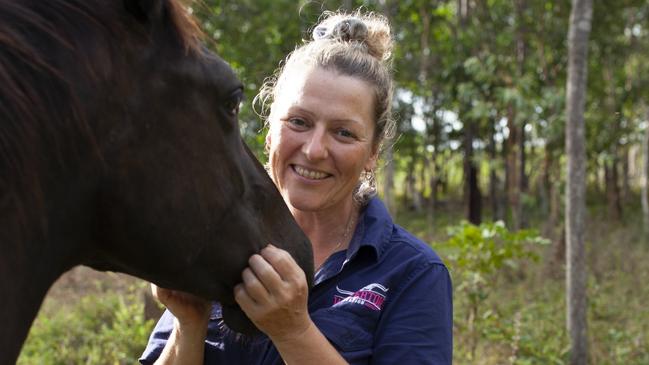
[
  {"x": 186, "y": 344},
  {"x": 274, "y": 296}
]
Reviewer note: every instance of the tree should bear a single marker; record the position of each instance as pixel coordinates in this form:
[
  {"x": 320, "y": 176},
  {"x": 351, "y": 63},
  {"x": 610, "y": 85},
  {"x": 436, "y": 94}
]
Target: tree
[
  {"x": 645, "y": 176},
  {"x": 578, "y": 34}
]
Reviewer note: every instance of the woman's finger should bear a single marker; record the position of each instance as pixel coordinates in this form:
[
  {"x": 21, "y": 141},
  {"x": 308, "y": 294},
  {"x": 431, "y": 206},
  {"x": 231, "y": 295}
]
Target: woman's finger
[
  {"x": 265, "y": 273},
  {"x": 284, "y": 264},
  {"x": 241, "y": 296},
  {"x": 254, "y": 287}
]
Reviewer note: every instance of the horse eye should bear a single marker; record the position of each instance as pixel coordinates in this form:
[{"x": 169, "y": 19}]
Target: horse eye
[{"x": 234, "y": 102}]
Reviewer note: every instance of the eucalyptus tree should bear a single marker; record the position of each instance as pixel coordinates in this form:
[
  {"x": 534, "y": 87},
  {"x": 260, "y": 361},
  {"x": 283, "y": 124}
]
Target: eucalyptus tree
[
  {"x": 645, "y": 178},
  {"x": 580, "y": 25}
]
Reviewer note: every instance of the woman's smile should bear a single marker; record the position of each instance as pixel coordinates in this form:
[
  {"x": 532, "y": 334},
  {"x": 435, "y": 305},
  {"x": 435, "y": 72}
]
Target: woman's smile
[{"x": 309, "y": 173}]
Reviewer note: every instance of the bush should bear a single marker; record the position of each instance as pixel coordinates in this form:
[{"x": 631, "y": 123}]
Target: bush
[
  {"x": 106, "y": 328},
  {"x": 477, "y": 255}
]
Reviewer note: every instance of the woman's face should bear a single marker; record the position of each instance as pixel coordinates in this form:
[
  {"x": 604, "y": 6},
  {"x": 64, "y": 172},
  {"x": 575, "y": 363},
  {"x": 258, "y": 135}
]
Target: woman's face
[{"x": 320, "y": 138}]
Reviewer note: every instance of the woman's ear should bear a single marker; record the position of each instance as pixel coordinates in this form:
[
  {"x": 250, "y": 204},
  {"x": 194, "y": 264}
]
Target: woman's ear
[{"x": 370, "y": 165}]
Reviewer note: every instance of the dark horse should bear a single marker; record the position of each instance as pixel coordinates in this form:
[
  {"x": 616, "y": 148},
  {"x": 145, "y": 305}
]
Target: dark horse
[{"x": 120, "y": 150}]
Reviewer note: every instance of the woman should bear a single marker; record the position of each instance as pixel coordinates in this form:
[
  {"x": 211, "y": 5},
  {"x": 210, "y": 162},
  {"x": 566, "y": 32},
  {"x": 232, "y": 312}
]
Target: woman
[{"x": 381, "y": 296}]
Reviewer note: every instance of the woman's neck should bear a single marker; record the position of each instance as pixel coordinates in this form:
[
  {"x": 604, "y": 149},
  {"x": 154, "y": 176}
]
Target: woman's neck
[{"x": 329, "y": 230}]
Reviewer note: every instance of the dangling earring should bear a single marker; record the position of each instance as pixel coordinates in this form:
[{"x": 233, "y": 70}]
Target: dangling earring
[
  {"x": 366, "y": 188},
  {"x": 369, "y": 178}
]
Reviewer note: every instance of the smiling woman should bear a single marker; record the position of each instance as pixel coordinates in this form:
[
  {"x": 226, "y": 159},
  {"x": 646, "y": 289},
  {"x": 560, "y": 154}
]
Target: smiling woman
[
  {"x": 381, "y": 296},
  {"x": 320, "y": 139}
]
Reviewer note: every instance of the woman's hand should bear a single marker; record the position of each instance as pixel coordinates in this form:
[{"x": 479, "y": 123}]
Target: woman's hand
[
  {"x": 274, "y": 294},
  {"x": 188, "y": 309},
  {"x": 186, "y": 344}
]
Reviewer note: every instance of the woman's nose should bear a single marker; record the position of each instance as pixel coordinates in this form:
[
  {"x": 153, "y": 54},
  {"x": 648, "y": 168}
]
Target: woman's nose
[{"x": 315, "y": 148}]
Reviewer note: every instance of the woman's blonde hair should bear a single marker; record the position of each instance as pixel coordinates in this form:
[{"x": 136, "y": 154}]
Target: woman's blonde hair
[{"x": 357, "y": 45}]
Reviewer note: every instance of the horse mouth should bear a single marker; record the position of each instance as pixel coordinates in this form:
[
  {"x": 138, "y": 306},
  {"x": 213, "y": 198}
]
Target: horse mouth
[{"x": 237, "y": 321}]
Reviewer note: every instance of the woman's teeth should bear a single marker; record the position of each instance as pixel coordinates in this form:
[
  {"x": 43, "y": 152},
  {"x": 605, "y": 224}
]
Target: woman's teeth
[{"x": 310, "y": 174}]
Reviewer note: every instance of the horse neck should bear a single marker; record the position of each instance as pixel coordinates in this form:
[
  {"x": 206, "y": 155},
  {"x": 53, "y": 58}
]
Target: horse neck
[
  {"x": 28, "y": 267},
  {"x": 23, "y": 287}
]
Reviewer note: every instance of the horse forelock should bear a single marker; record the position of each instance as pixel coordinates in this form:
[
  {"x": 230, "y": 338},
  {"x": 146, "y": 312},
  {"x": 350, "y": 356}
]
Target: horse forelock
[
  {"x": 189, "y": 32},
  {"x": 41, "y": 114}
]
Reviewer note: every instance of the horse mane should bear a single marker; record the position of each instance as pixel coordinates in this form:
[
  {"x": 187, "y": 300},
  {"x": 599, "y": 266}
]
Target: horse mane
[{"x": 41, "y": 114}]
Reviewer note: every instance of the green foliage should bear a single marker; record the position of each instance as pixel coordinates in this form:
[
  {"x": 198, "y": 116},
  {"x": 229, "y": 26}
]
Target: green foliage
[
  {"x": 106, "y": 329},
  {"x": 520, "y": 315},
  {"x": 483, "y": 250},
  {"x": 477, "y": 255}
]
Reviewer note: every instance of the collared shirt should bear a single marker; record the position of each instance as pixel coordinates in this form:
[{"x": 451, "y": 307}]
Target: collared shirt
[{"x": 387, "y": 299}]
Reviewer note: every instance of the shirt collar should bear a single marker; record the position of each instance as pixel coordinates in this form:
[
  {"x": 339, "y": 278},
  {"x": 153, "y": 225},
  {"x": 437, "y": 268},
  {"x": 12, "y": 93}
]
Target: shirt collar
[{"x": 373, "y": 230}]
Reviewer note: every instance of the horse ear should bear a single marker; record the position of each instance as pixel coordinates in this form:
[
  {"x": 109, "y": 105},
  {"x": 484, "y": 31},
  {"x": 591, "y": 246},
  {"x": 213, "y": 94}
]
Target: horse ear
[{"x": 145, "y": 11}]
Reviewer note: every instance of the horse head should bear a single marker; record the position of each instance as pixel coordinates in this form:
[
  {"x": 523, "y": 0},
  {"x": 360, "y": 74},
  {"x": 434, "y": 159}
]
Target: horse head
[{"x": 136, "y": 163}]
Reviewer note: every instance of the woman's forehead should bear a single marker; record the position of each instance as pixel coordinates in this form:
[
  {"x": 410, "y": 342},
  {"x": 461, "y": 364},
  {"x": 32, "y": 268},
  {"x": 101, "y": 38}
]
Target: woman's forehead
[{"x": 326, "y": 86}]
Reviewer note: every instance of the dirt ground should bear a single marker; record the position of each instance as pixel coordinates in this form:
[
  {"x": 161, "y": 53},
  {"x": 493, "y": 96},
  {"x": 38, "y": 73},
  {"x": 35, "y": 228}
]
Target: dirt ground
[{"x": 83, "y": 280}]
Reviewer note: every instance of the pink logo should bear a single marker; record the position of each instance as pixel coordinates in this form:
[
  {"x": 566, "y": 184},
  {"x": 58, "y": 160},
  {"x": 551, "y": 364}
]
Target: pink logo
[{"x": 372, "y": 296}]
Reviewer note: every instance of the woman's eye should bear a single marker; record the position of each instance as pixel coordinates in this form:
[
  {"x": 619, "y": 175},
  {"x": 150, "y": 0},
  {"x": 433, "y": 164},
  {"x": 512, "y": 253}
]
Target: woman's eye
[
  {"x": 297, "y": 122},
  {"x": 346, "y": 133}
]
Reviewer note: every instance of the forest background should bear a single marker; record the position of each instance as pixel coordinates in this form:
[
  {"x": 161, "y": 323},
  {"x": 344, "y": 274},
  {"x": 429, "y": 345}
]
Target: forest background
[{"x": 478, "y": 170}]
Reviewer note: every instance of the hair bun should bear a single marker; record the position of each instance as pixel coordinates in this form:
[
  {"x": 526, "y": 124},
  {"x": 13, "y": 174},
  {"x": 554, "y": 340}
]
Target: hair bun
[
  {"x": 370, "y": 31},
  {"x": 346, "y": 30}
]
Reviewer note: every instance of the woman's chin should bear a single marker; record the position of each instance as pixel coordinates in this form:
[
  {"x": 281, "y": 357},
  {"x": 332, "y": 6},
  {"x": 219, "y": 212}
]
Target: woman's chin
[{"x": 304, "y": 203}]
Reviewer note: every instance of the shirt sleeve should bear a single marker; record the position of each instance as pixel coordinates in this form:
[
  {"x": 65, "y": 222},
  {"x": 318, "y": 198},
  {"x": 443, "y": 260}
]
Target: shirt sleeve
[
  {"x": 417, "y": 327},
  {"x": 158, "y": 339}
]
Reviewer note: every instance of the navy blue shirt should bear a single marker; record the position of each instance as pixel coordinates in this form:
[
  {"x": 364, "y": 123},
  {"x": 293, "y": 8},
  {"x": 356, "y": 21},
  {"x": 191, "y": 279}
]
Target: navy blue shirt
[{"x": 387, "y": 299}]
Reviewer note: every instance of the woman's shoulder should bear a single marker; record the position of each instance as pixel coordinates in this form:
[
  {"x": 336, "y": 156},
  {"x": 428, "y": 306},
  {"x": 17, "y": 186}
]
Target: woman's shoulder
[
  {"x": 404, "y": 243},
  {"x": 393, "y": 242}
]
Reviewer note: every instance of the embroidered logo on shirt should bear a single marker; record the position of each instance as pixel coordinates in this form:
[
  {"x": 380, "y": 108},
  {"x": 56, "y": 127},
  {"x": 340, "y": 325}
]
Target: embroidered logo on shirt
[{"x": 371, "y": 296}]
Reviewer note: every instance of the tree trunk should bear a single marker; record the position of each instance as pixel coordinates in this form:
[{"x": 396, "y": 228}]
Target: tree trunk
[
  {"x": 494, "y": 198},
  {"x": 600, "y": 177},
  {"x": 611, "y": 171},
  {"x": 475, "y": 197},
  {"x": 504, "y": 196},
  {"x": 645, "y": 178},
  {"x": 388, "y": 184},
  {"x": 613, "y": 190},
  {"x": 545, "y": 192},
  {"x": 424, "y": 45},
  {"x": 522, "y": 178},
  {"x": 578, "y": 34},
  {"x": 513, "y": 170},
  {"x": 472, "y": 196},
  {"x": 557, "y": 228},
  {"x": 412, "y": 194},
  {"x": 434, "y": 169},
  {"x": 521, "y": 55},
  {"x": 626, "y": 185},
  {"x": 422, "y": 183}
]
